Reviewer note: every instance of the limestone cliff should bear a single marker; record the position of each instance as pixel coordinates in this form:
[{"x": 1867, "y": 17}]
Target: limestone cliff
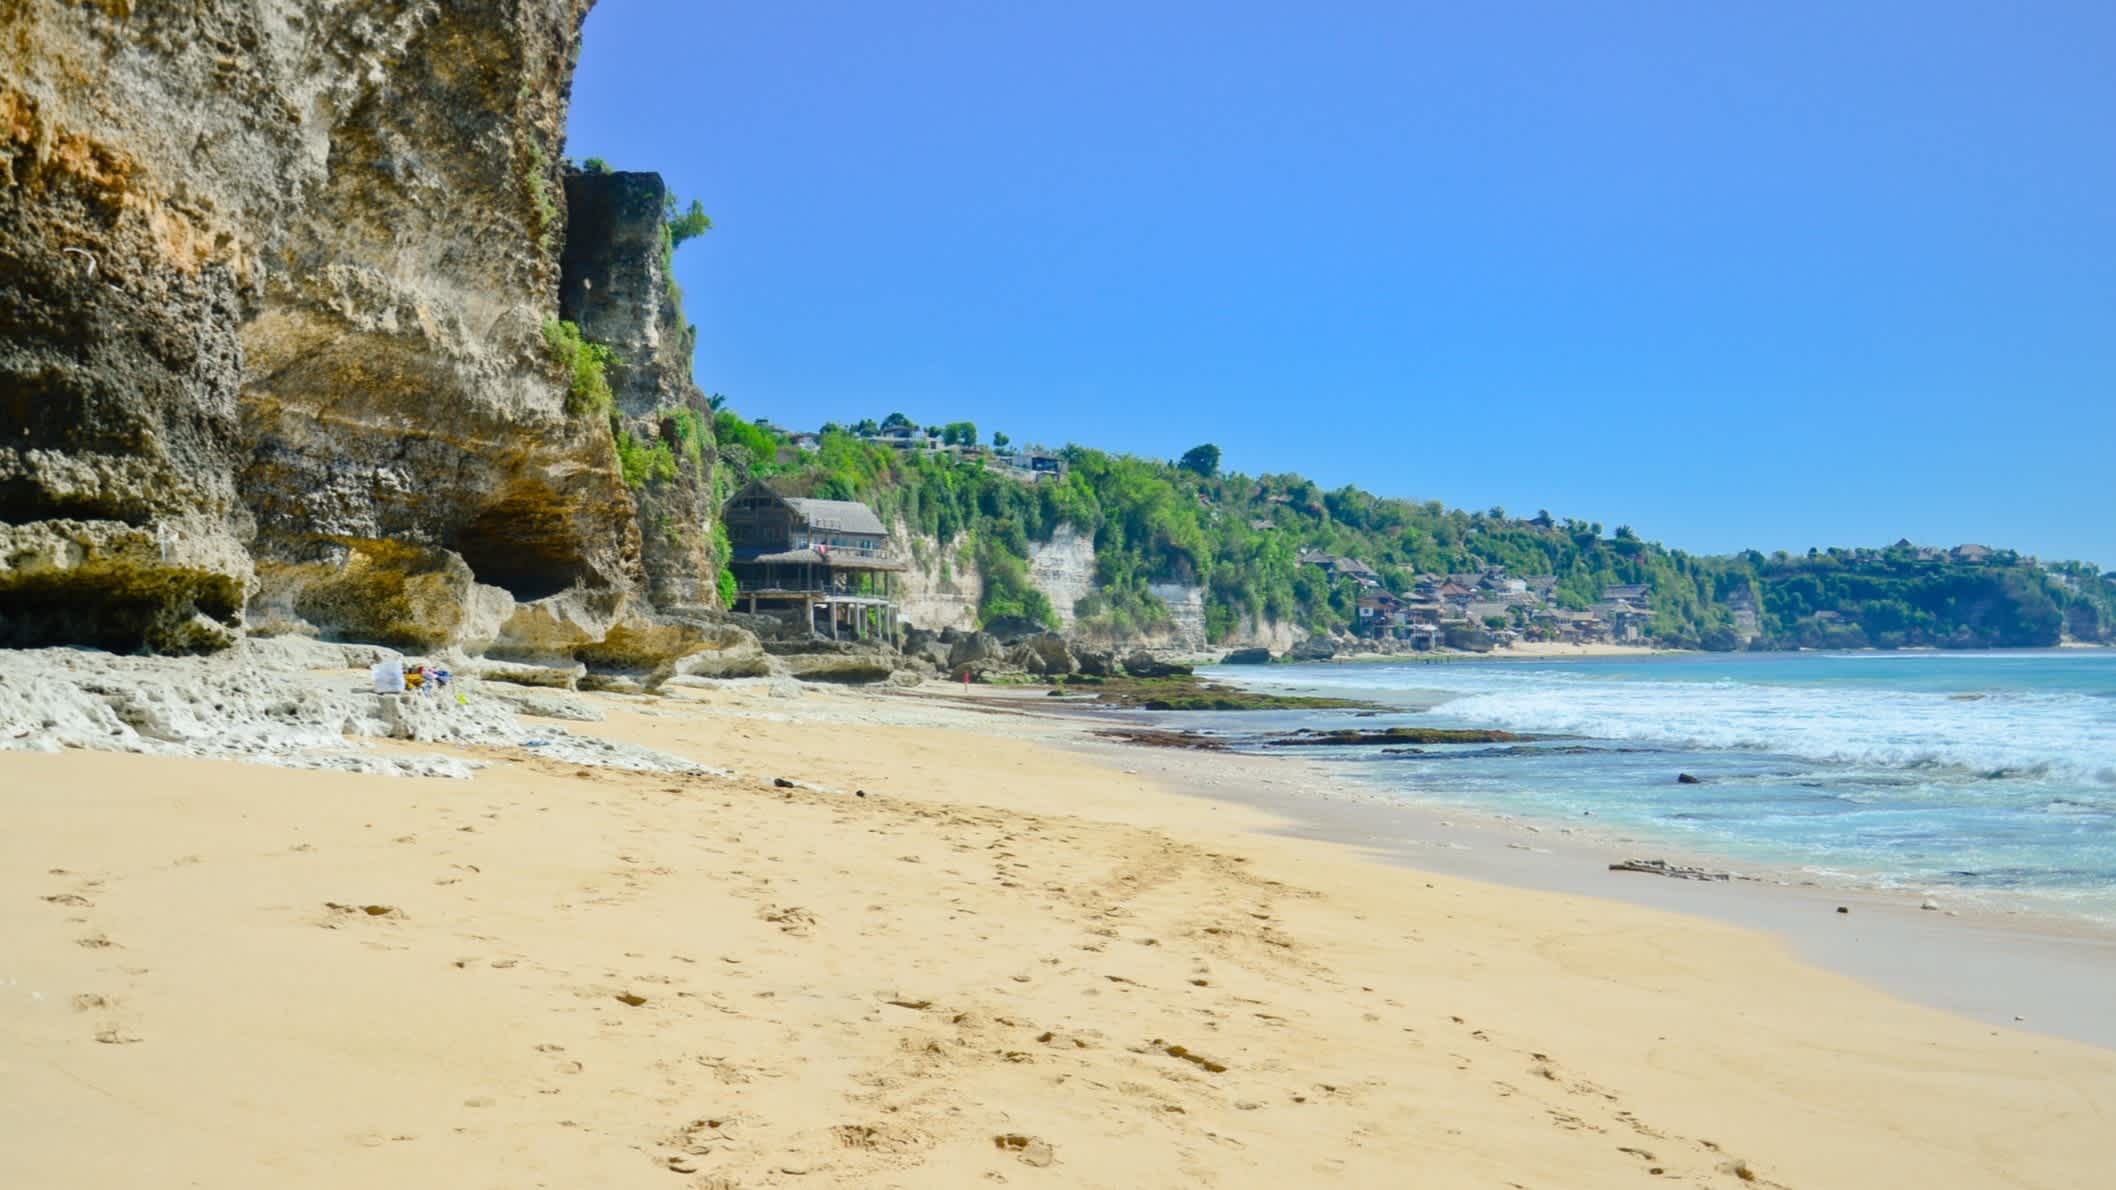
[
  {"x": 1063, "y": 568},
  {"x": 941, "y": 589},
  {"x": 273, "y": 278},
  {"x": 615, "y": 283}
]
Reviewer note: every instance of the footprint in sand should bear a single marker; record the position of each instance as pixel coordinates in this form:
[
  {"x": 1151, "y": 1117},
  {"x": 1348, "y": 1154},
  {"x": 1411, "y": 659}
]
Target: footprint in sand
[{"x": 1029, "y": 1150}]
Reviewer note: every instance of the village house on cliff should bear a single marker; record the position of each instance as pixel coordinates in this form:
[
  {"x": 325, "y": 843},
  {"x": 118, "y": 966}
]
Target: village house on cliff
[{"x": 825, "y": 564}]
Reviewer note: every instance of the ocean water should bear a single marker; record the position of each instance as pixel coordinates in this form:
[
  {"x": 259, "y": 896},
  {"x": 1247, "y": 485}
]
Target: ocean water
[{"x": 1986, "y": 778}]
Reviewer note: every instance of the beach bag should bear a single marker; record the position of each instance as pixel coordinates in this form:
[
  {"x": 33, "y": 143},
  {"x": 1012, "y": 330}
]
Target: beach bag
[{"x": 388, "y": 675}]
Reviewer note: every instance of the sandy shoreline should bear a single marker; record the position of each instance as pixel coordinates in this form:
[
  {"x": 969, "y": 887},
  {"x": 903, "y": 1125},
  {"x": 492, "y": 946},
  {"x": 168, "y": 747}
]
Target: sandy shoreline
[
  {"x": 1009, "y": 962},
  {"x": 2019, "y": 969}
]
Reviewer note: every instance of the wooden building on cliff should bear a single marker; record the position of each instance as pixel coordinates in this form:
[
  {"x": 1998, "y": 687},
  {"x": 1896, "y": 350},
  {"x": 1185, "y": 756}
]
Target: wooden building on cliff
[{"x": 822, "y": 563}]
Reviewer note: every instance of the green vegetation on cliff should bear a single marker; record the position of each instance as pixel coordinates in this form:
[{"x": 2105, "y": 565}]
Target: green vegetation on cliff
[
  {"x": 1240, "y": 537},
  {"x": 585, "y": 362}
]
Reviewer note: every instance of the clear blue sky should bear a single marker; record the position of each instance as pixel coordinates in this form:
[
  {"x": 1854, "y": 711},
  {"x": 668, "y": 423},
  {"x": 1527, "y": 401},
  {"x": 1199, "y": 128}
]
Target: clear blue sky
[{"x": 1737, "y": 274}]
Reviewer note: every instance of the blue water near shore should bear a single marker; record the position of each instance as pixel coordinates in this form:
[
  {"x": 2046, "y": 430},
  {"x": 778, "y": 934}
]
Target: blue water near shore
[{"x": 1988, "y": 777}]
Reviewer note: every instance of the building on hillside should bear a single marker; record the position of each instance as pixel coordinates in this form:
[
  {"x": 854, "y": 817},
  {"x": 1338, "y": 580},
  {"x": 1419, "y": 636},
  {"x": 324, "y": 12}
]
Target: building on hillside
[
  {"x": 1480, "y": 610},
  {"x": 1376, "y": 608},
  {"x": 805, "y": 440},
  {"x": 1974, "y": 554},
  {"x": 825, "y": 564},
  {"x": 1032, "y": 466},
  {"x": 1627, "y": 621},
  {"x": 1575, "y": 627},
  {"x": 1627, "y": 592},
  {"x": 1359, "y": 572},
  {"x": 1383, "y": 616},
  {"x": 1456, "y": 596},
  {"x": 1336, "y": 568}
]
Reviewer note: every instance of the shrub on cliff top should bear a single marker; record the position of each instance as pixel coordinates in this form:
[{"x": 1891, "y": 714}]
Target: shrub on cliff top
[{"x": 587, "y": 388}]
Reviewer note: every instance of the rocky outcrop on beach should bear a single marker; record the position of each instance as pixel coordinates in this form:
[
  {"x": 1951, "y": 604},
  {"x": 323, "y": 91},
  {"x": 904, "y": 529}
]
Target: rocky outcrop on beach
[
  {"x": 291, "y": 702},
  {"x": 849, "y": 662},
  {"x": 1314, "y": 648},
  {"x": 1661, "y": 867},
  {"x": 274, "y": 291}
]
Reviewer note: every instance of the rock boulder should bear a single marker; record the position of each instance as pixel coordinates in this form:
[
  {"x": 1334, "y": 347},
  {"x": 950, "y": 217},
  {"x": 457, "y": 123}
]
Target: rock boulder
[{"x": 1142, "y": 664}]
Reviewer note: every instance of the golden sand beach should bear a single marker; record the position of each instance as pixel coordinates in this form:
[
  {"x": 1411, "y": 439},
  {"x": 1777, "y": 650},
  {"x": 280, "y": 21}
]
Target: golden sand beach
[{"x": 953, "y": 954}]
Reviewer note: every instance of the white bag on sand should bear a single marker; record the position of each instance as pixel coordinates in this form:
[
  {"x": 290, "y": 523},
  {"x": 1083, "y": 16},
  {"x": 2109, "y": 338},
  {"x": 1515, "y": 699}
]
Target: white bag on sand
[{"x": 388, "y": 675}]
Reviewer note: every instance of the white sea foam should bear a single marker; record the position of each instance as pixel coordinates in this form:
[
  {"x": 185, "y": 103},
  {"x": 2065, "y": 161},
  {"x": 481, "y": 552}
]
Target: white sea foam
[{"x": 2016, "y": 733}]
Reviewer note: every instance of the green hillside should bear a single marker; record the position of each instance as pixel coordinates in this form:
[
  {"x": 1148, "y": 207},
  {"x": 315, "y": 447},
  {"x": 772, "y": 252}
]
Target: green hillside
[{"x": 1240, "y": 537}]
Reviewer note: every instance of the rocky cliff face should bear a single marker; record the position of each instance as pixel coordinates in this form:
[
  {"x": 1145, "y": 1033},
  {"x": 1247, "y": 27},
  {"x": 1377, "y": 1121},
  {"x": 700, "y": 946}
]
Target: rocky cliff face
[
  {"x": 942, "y": 588},
  {"x": 273, "y": 278},
  {"x": 1063, "y": 568},
  {"x": 615, "y": 283}
]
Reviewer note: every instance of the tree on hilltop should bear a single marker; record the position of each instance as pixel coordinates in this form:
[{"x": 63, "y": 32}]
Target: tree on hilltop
[{"x": 1202, "y": 460}]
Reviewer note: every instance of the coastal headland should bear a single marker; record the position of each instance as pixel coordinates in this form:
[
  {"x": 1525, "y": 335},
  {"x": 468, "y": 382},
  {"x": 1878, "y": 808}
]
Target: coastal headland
[{"x": 932, "y": 938}]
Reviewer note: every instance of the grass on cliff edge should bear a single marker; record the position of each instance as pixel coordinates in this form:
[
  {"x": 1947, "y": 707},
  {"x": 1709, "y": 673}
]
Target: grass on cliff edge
[{"x": 1186, "y": 693}]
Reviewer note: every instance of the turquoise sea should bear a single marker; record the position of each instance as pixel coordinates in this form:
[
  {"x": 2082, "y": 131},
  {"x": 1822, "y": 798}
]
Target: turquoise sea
[{"x": 1988, "y": 778}]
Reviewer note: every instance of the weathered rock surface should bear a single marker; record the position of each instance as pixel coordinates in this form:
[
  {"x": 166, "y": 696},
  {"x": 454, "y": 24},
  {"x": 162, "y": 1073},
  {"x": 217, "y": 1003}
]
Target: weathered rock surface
[
  {"x": 843, "y": 661},
  {"x": 277, "y": 701},
  {"x": 1047, "y": 654},
  {"x": 114, "y": 585},
  {"x": 1143, "y": 664},
  {"x": 1354, "y": 737},
  {"x": 1661, "y": 867},
  {"x": 928, "y": 647},
  {"x": 1315, "y": 648},
  {"x": 974, "y": 647},
  {"x": 1096, "y": 663},
  {"x": 415, "y": 597},
  {"x": 555, "y": 677},
  {"x": 1063, "y": 568},
  {"x": 724, "y": 651},
  {"x": 1247, "y": 657}
]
